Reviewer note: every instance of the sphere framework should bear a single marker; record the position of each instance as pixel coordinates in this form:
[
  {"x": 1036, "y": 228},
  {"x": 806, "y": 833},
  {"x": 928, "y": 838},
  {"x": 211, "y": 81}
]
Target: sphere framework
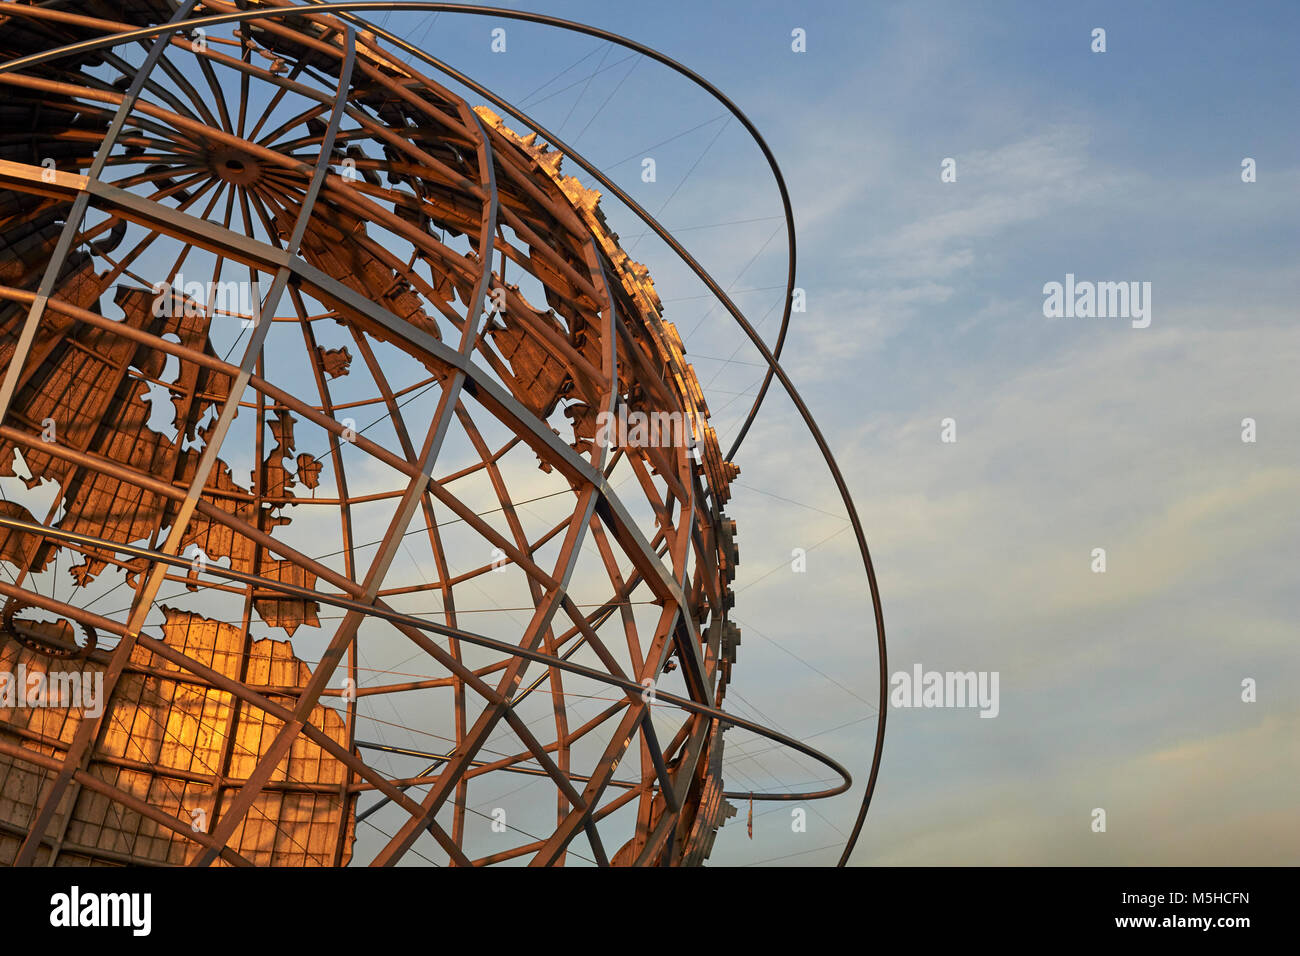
[{"x": 306, "y": 347}]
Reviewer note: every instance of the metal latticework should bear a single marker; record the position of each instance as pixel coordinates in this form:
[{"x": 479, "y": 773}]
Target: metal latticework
[{"x": 297, "y": 344}]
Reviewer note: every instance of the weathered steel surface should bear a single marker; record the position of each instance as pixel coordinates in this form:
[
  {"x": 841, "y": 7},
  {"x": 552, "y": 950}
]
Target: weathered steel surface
[
  {"x": 163, "y": 743},
  {"x": 556, "y": 325}
]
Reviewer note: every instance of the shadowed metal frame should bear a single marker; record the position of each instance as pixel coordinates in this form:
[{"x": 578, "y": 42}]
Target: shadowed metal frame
[{"x": 771, "y": 356}]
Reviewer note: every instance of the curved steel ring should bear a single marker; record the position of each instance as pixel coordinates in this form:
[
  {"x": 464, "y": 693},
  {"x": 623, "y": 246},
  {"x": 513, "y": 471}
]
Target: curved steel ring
[{"x": 13, "y": 606}]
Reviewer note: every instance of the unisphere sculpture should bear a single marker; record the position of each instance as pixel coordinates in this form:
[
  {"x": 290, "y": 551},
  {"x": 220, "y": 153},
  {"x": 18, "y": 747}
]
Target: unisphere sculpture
[{"x": 297, "y": 344}]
